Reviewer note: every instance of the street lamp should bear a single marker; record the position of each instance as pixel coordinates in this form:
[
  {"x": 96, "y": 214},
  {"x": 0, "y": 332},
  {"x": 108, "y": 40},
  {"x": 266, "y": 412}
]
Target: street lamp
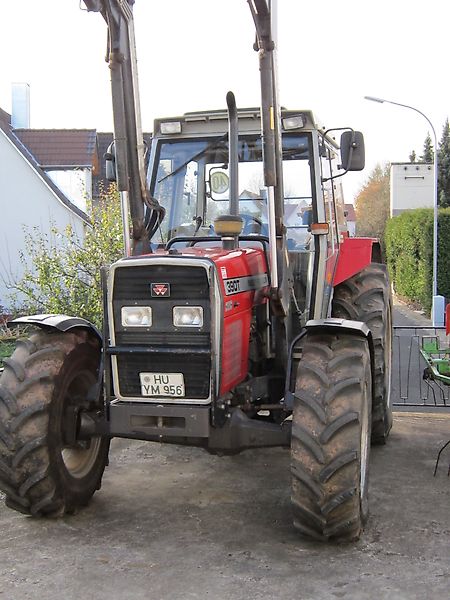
[{"x": 438, "y": 301}]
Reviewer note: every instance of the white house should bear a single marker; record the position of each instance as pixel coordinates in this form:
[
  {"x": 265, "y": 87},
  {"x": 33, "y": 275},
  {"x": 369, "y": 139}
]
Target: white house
[
  {"x": 412, "y": 186},
  {"x": 28, "y": 198},
  {"x": 68, "y": 156},
  {"x": 350, "y": 215}
]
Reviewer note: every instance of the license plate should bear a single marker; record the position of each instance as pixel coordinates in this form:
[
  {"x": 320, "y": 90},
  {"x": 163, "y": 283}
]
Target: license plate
[{"x": 162, "y": 384}]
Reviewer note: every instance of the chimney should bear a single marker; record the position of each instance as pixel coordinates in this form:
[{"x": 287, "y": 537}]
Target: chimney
[{"x": 20, "y": 118}]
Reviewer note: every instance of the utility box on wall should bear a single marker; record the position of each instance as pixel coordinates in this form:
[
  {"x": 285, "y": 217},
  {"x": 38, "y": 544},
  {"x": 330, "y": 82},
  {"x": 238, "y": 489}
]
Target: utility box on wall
[{"x": 412, "y": 186}]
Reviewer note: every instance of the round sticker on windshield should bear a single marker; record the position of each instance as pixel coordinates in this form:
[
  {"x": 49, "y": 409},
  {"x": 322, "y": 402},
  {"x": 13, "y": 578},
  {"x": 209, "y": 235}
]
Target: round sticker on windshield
[{"x": 220, "y": 182}]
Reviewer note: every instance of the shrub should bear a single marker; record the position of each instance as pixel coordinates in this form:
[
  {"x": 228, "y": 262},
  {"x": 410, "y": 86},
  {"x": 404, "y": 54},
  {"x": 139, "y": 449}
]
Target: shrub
[{"x": 62, "y": 273}]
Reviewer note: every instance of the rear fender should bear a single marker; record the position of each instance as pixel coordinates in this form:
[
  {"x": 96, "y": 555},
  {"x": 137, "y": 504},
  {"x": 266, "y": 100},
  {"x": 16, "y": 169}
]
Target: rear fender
[
  {"x": 354, "y": 255},
  {"x": 59, "y": 322},
  {"x": 331, "y": 326}
]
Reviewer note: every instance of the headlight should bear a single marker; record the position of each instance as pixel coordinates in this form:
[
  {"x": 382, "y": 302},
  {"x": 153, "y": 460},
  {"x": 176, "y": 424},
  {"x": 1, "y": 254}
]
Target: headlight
[
  {"x": 170, "y": 127},
  {"x": 136, "y": 316},
  {"x": 293, "y": 122},
  {"x": 188, "y": 316}
]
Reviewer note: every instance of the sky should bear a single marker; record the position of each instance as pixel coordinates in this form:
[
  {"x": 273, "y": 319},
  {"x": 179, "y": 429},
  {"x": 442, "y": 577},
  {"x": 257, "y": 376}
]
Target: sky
[{"x": 191, "y": 52}]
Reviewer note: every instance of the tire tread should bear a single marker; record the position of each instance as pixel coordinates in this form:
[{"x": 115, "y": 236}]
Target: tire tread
[
  {"x": 326, "y": 436},
  {"x": 367, "y": 297},
  {"x": 26, "y": 390}
]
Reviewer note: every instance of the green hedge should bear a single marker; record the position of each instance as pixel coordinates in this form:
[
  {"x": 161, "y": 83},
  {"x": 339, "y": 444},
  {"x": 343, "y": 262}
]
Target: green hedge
[{"x": 409, "y": 253}]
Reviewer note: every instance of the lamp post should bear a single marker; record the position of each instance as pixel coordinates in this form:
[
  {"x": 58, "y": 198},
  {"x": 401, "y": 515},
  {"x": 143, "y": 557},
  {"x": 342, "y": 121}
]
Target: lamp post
[{"x": 438, "y": 301}]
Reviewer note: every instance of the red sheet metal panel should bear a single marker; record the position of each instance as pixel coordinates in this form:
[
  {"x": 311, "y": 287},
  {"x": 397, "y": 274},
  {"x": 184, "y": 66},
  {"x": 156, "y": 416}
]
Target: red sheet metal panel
[{"x": 354, "y": 255}]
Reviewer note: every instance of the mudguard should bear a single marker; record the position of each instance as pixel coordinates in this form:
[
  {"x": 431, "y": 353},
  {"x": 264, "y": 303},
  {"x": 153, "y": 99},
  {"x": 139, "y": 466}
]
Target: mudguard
[
  {"x": 354, "y": 255},
  {"x": 344, "y": 325},
  {"x": 329, "y": 325},
  {"x": 60, "y": 322}
]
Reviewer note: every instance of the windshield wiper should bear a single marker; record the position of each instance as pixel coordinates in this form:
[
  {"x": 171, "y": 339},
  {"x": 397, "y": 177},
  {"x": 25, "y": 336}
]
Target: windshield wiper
[{"x": 213, "y": 144}]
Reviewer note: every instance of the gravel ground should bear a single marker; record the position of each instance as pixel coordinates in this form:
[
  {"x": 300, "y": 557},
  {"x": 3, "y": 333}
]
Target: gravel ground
[
  {"x": 176, "y": 523},
  {"x": 173, "y": 523}
]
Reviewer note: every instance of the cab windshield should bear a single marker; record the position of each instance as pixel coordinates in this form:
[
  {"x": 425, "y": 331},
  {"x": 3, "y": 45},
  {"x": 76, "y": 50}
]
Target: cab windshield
[{"x": 191, "y": 181}]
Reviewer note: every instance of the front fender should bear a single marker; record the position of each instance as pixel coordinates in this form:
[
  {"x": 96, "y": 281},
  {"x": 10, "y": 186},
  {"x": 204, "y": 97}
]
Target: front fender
[
  {"x": 330, "y": 325},
  {"x": 60, "y": 322},
  {"x": 344, "y": 325}
]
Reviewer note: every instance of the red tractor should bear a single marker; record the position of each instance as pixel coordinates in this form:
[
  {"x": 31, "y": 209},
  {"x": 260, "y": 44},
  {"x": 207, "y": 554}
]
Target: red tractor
[{"x": 243, "y": 315}]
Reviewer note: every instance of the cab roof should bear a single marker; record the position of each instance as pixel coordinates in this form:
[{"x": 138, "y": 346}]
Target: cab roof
[{"x": 213, "y": 122}]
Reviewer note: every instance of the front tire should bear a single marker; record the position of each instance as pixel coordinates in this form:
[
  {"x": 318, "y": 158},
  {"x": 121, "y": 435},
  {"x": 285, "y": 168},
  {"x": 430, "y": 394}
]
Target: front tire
[
  {"x": 46, "y": 379},
  {"x": 330, "y": 437}
]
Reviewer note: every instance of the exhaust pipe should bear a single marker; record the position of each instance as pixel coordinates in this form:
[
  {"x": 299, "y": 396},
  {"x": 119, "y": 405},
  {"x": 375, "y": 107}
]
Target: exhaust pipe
[
  {"x": 230, "y": 226},
  {"x": 233, "y": 138}
]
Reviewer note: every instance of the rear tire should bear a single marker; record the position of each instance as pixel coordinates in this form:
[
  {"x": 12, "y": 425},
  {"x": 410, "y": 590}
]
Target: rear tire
[
  {"x": 40, "y": 472},
  {"x": 330, "y": 437},
  {"x": 367, "y": 297}
]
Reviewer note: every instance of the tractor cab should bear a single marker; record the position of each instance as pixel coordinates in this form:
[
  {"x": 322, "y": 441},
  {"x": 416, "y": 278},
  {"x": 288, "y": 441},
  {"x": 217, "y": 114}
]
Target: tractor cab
[{"x": 189, "y": 176}]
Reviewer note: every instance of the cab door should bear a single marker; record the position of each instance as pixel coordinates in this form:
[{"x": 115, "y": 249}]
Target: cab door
[{"x": 328, "y": 161}]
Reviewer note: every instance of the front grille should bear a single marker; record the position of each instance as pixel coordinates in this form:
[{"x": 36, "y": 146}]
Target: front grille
[
  {"x": 186, "y": 282},
  {"x": 188, "y": 286},
  {"x": 195, "y": 368},
  {"x": 176, "y": 339}
]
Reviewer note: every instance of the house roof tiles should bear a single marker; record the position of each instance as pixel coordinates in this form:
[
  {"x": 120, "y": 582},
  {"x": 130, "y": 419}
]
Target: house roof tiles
[
  {"x": 5, "y": 118},
  {"x": 61, "y": 147},
  {"x": 53, "y": 149}
]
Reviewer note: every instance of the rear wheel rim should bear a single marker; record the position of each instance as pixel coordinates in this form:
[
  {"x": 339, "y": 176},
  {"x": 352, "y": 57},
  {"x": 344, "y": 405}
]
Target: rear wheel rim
[{"x": 388, "y": 362}]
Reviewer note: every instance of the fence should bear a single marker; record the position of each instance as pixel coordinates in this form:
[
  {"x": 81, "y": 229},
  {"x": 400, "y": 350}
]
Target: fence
[{"x": 410, "y": 390}]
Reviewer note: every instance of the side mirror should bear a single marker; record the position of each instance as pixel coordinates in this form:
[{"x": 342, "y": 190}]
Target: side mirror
[
  {"x": 352, "y": 151},
  {"x": 110, "y": 164}
]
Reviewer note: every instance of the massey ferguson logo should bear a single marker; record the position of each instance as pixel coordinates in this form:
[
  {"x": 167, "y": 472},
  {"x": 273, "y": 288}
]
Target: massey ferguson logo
[{"x": 160, "y": 290}]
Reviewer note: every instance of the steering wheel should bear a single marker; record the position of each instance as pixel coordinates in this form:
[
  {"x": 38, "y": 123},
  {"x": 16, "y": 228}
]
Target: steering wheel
[{"x": 252, "y": 224}]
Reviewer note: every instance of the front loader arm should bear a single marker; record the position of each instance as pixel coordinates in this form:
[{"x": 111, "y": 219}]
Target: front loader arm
[
  {"x": 263, "y": 12},
  {"x": 128, "y": 138}
]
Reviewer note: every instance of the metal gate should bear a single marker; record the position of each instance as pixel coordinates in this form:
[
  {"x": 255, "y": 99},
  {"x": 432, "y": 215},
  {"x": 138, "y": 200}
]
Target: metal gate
[{"x": 411, "y": 391}]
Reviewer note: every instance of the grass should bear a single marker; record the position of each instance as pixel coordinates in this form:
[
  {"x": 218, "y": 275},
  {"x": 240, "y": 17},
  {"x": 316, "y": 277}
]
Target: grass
[
  {"x": 8, "y": 340},
  {"x": 9, "y": 337},
  {"x": 7, "y": 346}
]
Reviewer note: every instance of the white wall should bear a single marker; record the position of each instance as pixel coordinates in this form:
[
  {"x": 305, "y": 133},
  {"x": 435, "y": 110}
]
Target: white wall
[
  {"x": 25, "y": 199},
  {"x": 412, "y": 186},
  {"x": 351, "y": 226},
  {"x": 76, "y": 184}
]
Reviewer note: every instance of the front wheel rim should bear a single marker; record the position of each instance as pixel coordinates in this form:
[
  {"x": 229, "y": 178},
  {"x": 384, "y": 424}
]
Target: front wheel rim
[
  {"x": 364, "y": 447},
  {"x": 80, "y": 461}
]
